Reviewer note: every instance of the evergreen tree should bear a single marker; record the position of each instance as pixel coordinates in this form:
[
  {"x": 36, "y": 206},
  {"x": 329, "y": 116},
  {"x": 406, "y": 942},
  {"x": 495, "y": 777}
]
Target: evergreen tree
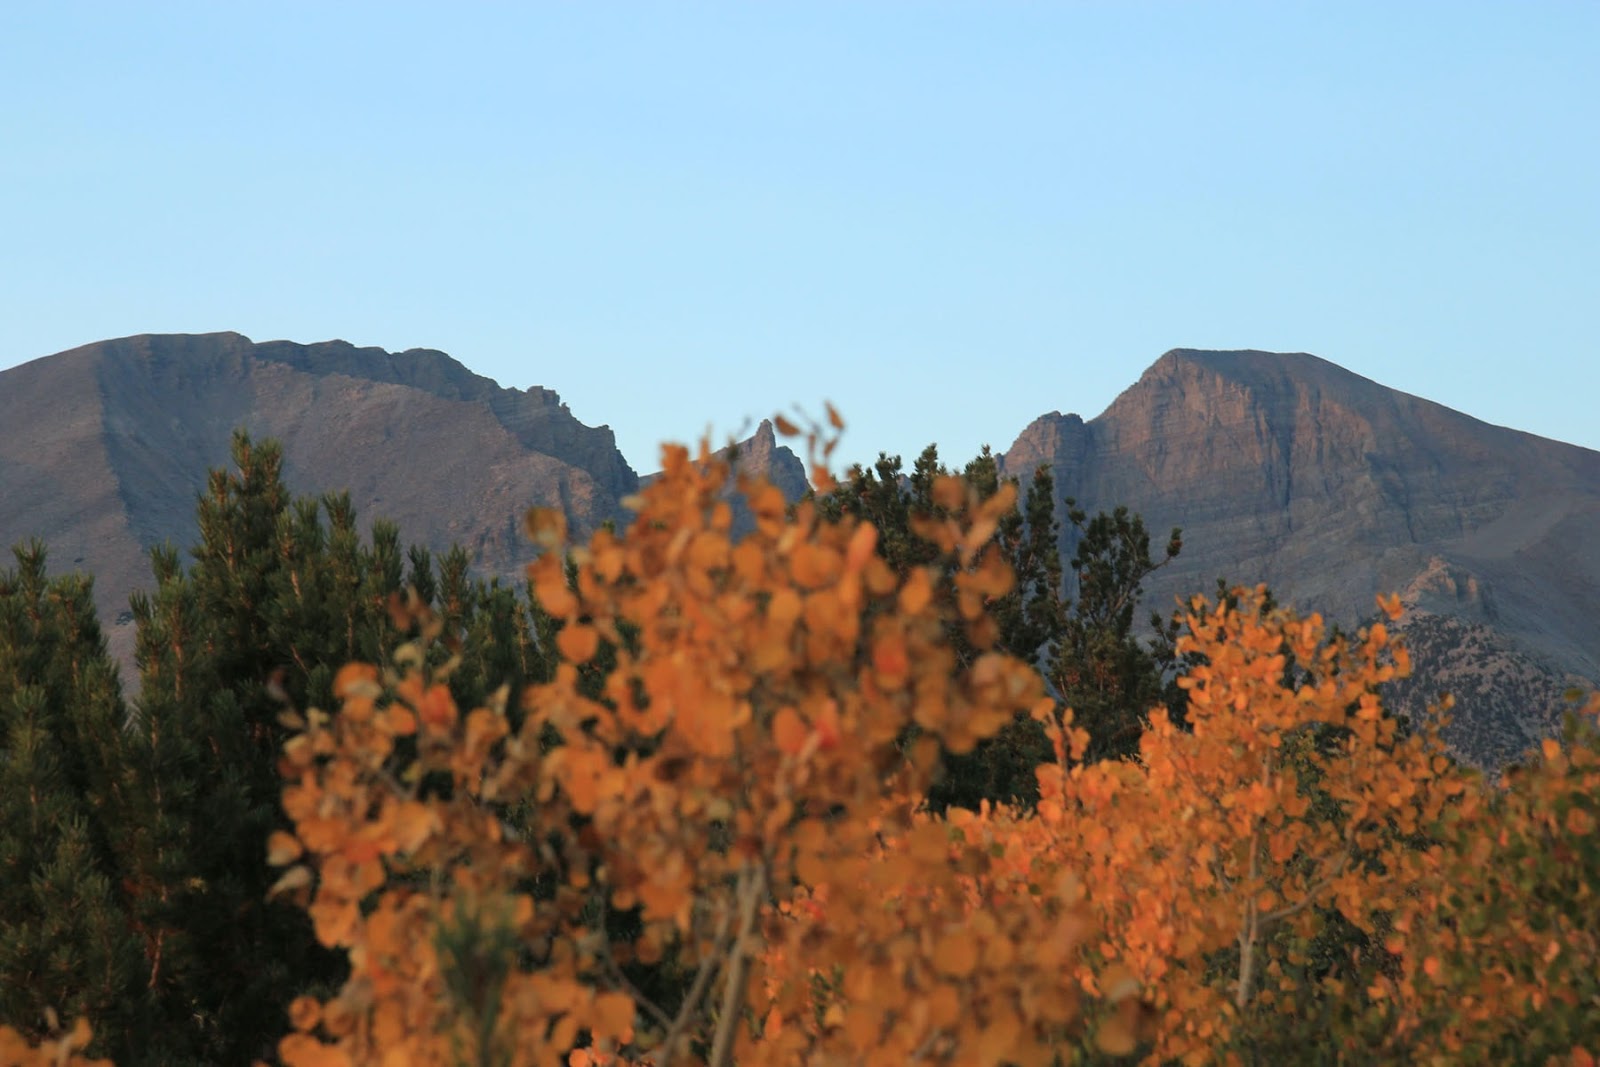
[
  {"x": 1086, "y": 648},
  {"x": 280, "y": 594},
  {"x": 65, "y": 946},
  {"x": 209, "y": 642},
  {"x": 1098, "y": 667},
  {"x": 1027, "y": 619}
]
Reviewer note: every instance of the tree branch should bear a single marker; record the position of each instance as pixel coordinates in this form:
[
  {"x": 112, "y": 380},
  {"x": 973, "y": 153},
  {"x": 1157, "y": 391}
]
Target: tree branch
[
  {"x": 702, "y": 981},
  {"x": 752, "y": 888}
]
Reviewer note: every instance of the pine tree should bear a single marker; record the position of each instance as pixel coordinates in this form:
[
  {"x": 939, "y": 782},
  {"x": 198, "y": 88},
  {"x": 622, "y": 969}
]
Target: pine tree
[
  {"x": 279, "y": 593},
  {"x": 1027, "y": 619},
  {"x": 65, "y": 947},
  {"x": 1099, "y": 667},
  {"x": 210, "y": 640},
  {"x": 1086, "y": 648}
]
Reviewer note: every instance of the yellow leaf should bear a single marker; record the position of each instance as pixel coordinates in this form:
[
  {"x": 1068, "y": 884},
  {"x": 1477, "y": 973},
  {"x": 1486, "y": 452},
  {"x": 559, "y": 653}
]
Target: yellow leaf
[
  {"x": 785, "y": 427},
  {"x": 292, "y": 879},
  {"x": 282, "y": 849}
]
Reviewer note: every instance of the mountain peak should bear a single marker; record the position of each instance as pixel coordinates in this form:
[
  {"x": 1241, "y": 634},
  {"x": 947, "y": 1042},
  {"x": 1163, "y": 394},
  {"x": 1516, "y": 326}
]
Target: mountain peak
[
  {"x": 1288, "y": 469},
  {"x": 1262, "y": 372}
]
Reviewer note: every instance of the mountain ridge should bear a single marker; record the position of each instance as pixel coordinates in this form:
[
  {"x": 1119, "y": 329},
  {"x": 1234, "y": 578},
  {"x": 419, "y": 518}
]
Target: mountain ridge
[
  {"x": 104, "y": 447},
  {"x": 1331, "y": 488},
  {"x": 1282, "y": 468}
]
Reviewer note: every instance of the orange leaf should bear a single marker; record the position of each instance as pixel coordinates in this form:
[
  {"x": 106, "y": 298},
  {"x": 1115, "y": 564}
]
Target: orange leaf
[
  {"x": 956, "y": 955},
  {"x": 578, "y": 642},
  {"x": 304, "y": 1013},
  {"x": 862, "y": 544},
  {"x": 916, "y": 593},
  {"x": 353, "y": 678},
  {"x": 890, "y": 660},
  {"x": 613, "y": 1015},
  {"x": 1115, "y": 1037},
  {"x": 438, "y": 708},
  {"x": 788, "y": 731}
]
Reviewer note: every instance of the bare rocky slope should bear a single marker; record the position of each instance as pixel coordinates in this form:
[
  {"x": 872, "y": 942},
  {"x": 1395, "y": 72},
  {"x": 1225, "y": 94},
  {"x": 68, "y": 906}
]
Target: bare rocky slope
[
  {"x": 1289, "y": 470},
  {"x": 1284, "y": 469},
  {"x": 104, "y": 448}
]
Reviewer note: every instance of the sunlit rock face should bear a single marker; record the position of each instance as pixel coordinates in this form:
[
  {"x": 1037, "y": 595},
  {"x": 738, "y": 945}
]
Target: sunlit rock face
[{"x": 1289, "y": 470}]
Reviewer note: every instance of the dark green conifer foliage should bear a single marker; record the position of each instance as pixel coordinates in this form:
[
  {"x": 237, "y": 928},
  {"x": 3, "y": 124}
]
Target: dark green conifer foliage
[
  {"x": 261, "y": 615},
  {"x": 65, "y": 944},
  {"x": 1086, "y": 649},
  {"x": 1029, "y": 618},
  {"x": 1099, "y": 667},
  {"x": 279, "y": 595}
]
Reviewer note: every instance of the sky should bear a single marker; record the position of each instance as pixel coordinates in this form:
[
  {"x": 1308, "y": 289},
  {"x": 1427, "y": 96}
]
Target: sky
[{"x": 948, "y": 219}]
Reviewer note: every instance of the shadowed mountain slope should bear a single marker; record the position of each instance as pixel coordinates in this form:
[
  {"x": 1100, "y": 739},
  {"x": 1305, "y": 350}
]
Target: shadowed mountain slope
[
  {"x": 1289, "y": 470},
  {"x": 103, "y": 449}
]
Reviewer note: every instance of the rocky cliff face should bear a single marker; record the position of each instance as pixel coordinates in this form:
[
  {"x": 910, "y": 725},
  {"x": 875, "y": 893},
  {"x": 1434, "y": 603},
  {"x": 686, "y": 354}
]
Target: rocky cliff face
[
  {"x": 103, "y": 449},
  {"x": 1282, "y": 469},
  {"x": 1289, "y": 470}
]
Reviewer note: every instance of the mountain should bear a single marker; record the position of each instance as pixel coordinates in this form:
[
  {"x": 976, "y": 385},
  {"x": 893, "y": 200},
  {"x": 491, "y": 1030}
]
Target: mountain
[
  {"x": 1280, "y": 468},
  {"x": 104, "y": 448},
  {"x": 1289, "y": 470}
]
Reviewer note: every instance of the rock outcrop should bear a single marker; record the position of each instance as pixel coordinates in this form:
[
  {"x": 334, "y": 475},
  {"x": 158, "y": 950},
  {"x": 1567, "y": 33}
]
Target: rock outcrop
[{"x": 1289, "y": 470}]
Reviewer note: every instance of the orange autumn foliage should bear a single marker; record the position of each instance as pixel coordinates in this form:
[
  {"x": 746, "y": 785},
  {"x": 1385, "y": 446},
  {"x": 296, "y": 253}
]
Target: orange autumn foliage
[
  {"x": 730, "y": 758},
  {"x": 1499, "y": 954},
  {"x": 748, "y": 742},
  {"x": 63, "y": 1050},
  {"x": 1289, "y": 791},
  {"x": 1208, "y": 842}
]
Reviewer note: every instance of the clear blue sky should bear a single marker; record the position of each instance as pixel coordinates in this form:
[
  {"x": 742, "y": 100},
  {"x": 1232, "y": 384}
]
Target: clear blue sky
[{"x": 947, "y": 218}]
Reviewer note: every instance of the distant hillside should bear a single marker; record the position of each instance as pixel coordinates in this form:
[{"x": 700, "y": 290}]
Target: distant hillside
[
  {"x": 104, "y": 448},
  {"x": 1332, "y": 488},
  {"x": 1280, "y": 468}
]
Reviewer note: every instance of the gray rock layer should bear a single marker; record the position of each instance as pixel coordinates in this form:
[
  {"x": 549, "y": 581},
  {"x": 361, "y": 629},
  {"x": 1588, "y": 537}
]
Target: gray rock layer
[
  {"x": 104, "y": 448},
  {"x": 1289, "y": 470}
]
